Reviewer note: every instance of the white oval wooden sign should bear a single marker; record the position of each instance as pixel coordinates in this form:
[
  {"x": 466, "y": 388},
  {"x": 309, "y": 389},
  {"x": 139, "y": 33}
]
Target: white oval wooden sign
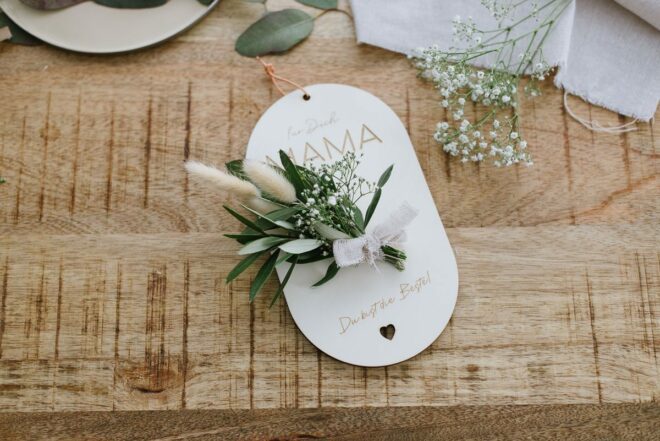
[{"x": 364, "y": 316}]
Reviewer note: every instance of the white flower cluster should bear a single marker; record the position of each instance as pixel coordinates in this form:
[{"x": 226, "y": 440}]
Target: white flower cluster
[
  {"x": 498, "y": 9},
  {"x": 332, "y": 200},
  {"x": 341, "y": 175},
  {"x": 490, "y": 135},
  {"x": 459, "y": 83},
  {"x": 465, "y": 30}
]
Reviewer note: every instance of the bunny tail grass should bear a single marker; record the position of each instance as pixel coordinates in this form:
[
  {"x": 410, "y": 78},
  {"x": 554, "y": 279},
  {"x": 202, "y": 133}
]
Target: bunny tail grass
[
  {"x": 270, "y": 181},
  {"x": 231, "y": 184}
]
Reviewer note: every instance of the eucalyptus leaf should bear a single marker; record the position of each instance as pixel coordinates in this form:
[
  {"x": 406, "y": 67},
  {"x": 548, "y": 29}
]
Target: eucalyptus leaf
[
  {"x": 242, "y": 266},
  {"x": 275, "y": 32},
  {"x": 328, "y": 232},
  {"x": 331, "y": 272},
  {"x": 264, "y": 272},
  {"x": 299, "y": 246},
  {"x": 18, "y": 35},
  {"x": 319, "y": 4},
  {"x": 262, "y": 244}
]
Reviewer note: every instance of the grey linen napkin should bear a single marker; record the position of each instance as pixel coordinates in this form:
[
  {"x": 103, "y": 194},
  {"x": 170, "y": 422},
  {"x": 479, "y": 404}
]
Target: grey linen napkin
[{"x": 606, "y": 54}]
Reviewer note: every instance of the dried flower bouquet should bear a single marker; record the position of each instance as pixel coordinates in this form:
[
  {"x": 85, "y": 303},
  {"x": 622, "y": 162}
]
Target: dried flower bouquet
[{"x": 304, "y": 214}]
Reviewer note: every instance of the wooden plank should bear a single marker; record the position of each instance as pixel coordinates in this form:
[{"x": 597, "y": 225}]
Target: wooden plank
[
  {"x": 85, "y": 150},
  {"x": 112, "y": 263},
  {"x": 154, "y": 316},
  {"x": 581, "y": 422}
]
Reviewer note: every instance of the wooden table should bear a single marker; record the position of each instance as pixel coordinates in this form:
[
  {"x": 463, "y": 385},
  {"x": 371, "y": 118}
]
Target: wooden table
[{"x": 112, "y": 263}]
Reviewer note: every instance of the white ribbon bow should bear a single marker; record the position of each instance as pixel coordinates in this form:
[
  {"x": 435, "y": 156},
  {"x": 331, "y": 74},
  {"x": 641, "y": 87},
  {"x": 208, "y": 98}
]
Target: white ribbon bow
[{"x": 367, "y": 248}]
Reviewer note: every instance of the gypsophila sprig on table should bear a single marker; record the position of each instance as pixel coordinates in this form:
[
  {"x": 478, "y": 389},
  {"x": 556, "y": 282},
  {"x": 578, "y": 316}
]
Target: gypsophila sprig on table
[
  {"x": 513, "y": 53},
  {"x": 301, "y": 214}
]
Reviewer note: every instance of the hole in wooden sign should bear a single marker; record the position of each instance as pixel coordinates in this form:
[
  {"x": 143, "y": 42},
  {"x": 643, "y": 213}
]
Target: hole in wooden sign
[{"x": 388, "y": 331}]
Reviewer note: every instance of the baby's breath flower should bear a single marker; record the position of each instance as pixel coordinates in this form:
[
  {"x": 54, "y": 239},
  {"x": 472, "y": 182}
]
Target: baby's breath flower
[{"x": 496, "y": 87}]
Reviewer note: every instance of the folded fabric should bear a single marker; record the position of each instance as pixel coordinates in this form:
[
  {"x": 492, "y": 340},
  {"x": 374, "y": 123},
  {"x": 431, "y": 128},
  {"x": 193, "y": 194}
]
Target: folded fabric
[
  {"x": 605, "y": 53},
  {"x": 647, "y": 10}
]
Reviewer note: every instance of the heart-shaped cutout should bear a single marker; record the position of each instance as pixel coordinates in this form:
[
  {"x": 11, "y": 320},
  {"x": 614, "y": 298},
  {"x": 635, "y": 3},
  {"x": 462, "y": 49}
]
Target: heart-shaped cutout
[{"x": 388, "y": 331}]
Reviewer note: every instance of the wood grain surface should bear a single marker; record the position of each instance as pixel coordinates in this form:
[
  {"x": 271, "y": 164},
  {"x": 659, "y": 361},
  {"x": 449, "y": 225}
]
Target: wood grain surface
[
  {"x": 634, "y": 422},
  {"x": 112, "y": 263}
]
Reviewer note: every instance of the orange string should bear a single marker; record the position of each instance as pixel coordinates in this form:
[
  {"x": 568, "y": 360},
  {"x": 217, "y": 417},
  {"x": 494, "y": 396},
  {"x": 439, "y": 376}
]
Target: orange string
[{"x": 270, "y": 71}]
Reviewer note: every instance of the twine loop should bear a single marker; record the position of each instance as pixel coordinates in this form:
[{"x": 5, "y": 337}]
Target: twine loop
[{"x": 270, "y": 71}]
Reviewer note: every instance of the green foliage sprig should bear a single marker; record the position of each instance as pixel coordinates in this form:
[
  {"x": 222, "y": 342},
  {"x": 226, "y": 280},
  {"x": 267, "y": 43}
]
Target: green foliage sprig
[
  {"x": 279, "y": 31},
  {"x": 18, "y": 35},
  {"x": 295, "y": 213}
]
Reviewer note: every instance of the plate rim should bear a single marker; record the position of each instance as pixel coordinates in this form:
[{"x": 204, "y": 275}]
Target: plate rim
[{"x": 133, "y": 48}]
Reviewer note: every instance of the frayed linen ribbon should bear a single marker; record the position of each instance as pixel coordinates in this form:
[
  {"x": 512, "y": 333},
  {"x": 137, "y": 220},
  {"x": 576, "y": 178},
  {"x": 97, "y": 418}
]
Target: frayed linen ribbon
[{"x": 367, "y": 248}]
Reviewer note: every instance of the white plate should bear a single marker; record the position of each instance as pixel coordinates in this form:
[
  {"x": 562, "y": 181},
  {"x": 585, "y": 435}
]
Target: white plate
[
  {"x": 345, "y": 317},
  {"x": 92, "y": 28}
]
